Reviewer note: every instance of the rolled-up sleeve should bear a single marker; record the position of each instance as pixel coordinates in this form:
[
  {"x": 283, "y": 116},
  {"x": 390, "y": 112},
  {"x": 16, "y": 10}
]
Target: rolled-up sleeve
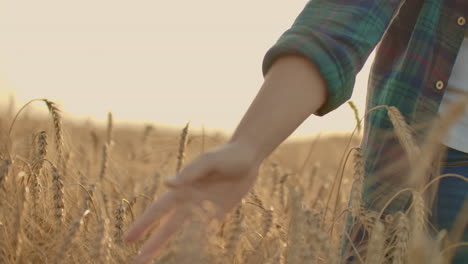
[{"x": 337, "y": 36}]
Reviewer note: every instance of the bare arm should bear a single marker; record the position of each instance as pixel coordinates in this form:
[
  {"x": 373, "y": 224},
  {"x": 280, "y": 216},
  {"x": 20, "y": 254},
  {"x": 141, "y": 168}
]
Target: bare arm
[{"x": 293, "y": 90}]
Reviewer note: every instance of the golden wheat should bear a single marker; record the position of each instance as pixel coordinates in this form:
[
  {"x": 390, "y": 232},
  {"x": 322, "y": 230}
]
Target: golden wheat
[{"x": 80, "y": 214}]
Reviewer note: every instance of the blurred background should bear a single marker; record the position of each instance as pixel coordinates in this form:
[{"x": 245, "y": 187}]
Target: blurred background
[{"x": 159, "y": 61}]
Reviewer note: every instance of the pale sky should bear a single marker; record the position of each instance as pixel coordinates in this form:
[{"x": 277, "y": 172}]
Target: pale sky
[{"x": 163, "y": 60}]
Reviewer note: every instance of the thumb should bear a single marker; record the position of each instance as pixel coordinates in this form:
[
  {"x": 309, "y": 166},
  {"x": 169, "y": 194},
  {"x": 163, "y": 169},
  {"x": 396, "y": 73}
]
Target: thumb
[{"x": 192, "y": 172}]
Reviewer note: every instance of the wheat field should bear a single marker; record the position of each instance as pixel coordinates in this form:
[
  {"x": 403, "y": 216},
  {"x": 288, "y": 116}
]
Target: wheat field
[{"x": 68, "y": 191}]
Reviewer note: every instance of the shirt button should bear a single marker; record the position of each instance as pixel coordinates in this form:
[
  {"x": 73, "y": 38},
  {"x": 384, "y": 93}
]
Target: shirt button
[
  {"x": 439, "y": 85},
  {"x": 461, "y": 21}
]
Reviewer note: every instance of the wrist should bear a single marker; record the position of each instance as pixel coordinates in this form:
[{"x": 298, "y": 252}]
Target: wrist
[{"x": 249, "y": 150}]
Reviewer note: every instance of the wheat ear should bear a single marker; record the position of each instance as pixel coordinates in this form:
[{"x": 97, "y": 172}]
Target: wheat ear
[
  {"x": 319, "y": 240},
  {"x": 376, "y": 244},
  {"x": 4, "y": 168},
  {"x": 182, "y": 146},
  {"x": 402, "y": 232},
  {"x": 256, "y": 200},
  {"x": 312, "y": 219},
  {"x": 101, "y": 248},
  {"x": 418, "y": 213},
  {"x": 274, "y": 180},
  {"x": 268, "y": 218},
  {"x": 404, "y": 133},
  {"x": 234, "y": 232},
  {"x": 124, "y": 206},
  {"x": 38, "y": 165},
  {"x": 420, "y": 172},
  {"x": 110, "y": 126},
  {"x": 296, "y": 226},
  {"x": 356, "y": 194},
  {"x": 57, "y": 121},
  {"x": 58, "y": 194}
]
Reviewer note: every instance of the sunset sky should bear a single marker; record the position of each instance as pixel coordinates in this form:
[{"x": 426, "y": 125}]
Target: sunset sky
[{"x": 165, "y": 61}]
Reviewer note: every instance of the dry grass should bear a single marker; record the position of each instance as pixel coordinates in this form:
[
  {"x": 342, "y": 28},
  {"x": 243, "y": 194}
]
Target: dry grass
[{"x": 71, "y": 203}]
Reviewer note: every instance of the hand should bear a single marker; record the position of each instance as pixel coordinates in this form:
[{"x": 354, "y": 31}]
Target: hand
[{"x": 222, "y": 176}]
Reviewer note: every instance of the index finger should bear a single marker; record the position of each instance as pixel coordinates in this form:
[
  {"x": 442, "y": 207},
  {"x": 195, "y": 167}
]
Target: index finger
[
  {"x": 158, "y": 239},
  {"x": 157, "y": 210}
]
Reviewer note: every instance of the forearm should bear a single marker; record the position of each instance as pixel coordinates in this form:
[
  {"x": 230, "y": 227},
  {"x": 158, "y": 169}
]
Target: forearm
[{"x": 293, "y": 90}]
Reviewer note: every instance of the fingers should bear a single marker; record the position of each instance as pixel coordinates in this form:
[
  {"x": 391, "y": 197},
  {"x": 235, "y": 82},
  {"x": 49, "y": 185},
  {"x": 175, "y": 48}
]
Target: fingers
[
  {"x": 159, "y": 238},
  {"x": 190, "y": 173},
  {"x": 158, "y": 209}
]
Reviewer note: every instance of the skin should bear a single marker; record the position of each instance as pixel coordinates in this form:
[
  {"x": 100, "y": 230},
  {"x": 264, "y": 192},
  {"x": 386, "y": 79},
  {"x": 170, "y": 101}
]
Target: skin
[{"x": 293, "y": 89}]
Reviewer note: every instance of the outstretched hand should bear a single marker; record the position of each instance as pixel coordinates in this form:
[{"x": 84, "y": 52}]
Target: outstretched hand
[{"x": 222, "y": 177}]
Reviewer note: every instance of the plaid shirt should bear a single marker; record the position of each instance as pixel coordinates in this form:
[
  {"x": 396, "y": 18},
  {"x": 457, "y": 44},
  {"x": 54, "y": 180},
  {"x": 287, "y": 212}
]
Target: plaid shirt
[{"x": 417, "y": 42}]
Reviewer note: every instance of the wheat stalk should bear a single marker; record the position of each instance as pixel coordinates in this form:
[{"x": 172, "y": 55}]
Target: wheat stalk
[
  {"x": 353, "y": 106},
  {"x": 282, "y": 183},
  {"x": 274, "y": 180},
  {"x": 312, "y": 177},
  {"x": 88, "y": 198},
  {"x": 21, "y": 204},
  {"x": 70, "y": 237},
  {"x": 104, "y": 161},
  {"x": 89, "y": 203}
]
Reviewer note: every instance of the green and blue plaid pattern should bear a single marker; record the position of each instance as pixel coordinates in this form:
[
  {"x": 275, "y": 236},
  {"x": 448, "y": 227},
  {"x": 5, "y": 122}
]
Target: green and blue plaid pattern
[{"x": 416, "y": 44}]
